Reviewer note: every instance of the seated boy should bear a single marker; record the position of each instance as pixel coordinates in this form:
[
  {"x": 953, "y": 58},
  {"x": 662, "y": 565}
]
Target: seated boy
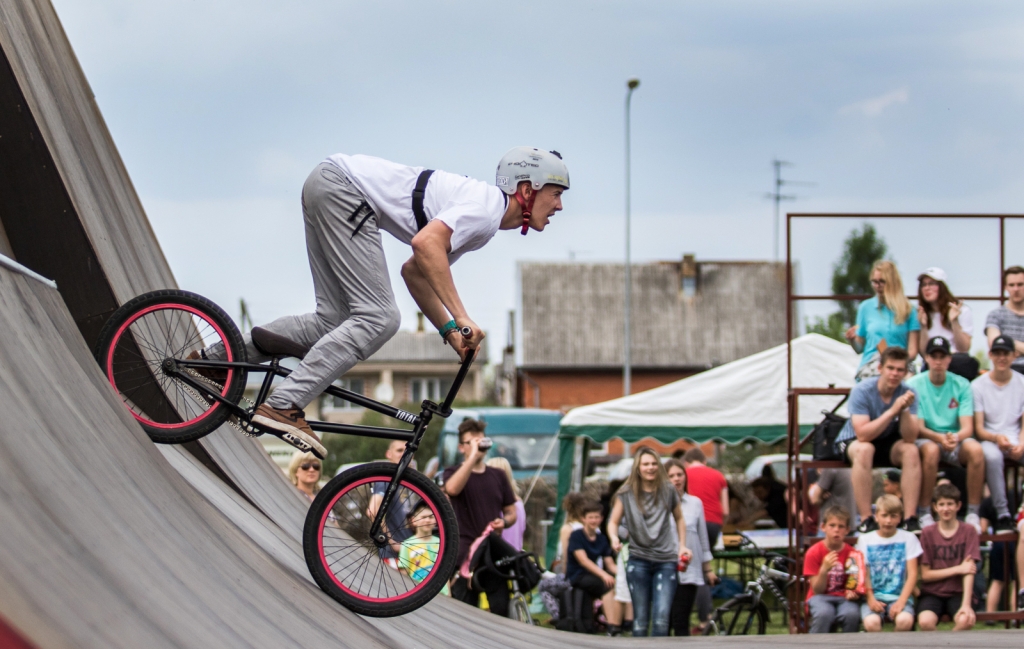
[
  {"x": 418, "y": 553},
  {"x": 891, "y": 557},
  {"x": 948, "y": 565},
  {"x": 587, "y": 547},
  {"x": 826, "y": 567}
]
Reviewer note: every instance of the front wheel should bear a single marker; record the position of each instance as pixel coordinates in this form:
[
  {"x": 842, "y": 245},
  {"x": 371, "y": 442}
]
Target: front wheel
[
  {"x": 139, "y": 349},
  {"x": 739, "y": 617},
  {"x": 389, "y": 577},
  {"x": 519, "y": 610}
]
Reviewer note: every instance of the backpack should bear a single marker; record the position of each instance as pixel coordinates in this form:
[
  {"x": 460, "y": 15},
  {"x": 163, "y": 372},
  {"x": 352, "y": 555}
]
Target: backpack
[
  {"x": 825, "y": 433},
  {"x": 527, "y": 571}
]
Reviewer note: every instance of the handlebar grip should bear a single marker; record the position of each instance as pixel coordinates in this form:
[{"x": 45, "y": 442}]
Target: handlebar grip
[{"x": 465, "y": 331}]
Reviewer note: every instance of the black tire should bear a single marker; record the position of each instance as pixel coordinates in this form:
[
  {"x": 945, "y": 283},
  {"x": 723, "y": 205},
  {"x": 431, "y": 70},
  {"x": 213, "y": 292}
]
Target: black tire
[
  {"x": 169, "y": 324},
  {"x": 350, "y": 567},
  {"x": 519, "y": 610},
  {"x": 739, "y": 617}
]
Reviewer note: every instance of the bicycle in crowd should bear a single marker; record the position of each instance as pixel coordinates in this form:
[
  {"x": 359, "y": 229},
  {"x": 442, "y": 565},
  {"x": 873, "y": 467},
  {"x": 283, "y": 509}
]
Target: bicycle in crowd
[
  {"x": 518, "y": 607},
  {"x": 746, "y": 613},
  {"x": 364, "y": 519}
]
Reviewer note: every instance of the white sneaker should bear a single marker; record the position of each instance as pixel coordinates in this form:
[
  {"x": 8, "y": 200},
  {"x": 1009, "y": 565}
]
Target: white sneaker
[
  {"x": 972, "y": 519},
  {"x": 926, "y": 520}
]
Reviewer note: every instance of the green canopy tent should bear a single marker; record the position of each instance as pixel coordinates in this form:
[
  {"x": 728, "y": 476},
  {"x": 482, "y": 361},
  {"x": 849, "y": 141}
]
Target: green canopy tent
[{"x": 736, "y": 402}]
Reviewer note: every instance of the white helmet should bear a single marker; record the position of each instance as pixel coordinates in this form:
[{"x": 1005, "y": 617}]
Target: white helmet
[{"x": 527, "y": 163}]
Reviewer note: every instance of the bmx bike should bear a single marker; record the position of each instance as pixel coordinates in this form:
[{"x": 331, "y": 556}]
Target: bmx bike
[{"x": 381, "y": 538}]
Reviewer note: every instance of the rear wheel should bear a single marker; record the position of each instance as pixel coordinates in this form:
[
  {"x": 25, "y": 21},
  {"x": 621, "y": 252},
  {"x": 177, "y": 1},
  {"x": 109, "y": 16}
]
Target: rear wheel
[
  {"x": 139, "y": 348},
  {"x": 381, "y": 578},
  {"x": 739, "y": 617}
]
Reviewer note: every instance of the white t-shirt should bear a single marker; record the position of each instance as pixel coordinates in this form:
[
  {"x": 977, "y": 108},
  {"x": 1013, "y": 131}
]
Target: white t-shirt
[
  {"x": 938, "y": 329},
  {"x": 886, "y": 560},
  {"x": 471, "y": 208},
  {"x": 1003, "y": 405}
]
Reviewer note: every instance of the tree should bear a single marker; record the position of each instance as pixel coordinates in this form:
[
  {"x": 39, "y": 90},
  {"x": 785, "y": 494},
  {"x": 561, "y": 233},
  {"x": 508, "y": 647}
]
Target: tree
[{"x": 851, "y": 275}]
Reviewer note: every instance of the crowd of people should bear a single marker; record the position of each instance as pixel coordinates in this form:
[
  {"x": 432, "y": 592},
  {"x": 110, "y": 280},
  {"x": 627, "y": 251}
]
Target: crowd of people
[{"x": 946, "y": 423}]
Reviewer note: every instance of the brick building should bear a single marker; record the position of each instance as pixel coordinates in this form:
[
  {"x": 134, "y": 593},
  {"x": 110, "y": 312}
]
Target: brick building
[{"x": 687, "y": 316}]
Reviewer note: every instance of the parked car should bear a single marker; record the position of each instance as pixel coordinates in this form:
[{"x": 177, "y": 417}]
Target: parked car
[
  {"x": 526, "y": 437},
  {"x": 777, "y": 462}
]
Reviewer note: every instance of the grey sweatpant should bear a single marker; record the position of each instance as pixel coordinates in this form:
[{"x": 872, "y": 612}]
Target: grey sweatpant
[
  {"x": 355, "y": 307},
  {"x": 828, "y": 609},
  {"x": 994, "y": 462}
]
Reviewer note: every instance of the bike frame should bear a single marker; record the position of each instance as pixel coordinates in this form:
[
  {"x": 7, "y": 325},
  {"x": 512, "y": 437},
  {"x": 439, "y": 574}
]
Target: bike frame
[{"x": 273, "y": 369}]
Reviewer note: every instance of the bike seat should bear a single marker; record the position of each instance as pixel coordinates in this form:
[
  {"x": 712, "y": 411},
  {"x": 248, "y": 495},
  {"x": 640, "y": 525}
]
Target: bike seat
[{"x": 273, "y": 344}]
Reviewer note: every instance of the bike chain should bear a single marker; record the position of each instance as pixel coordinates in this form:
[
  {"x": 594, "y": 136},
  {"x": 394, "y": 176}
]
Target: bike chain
[{"x": 232, "y": 420}]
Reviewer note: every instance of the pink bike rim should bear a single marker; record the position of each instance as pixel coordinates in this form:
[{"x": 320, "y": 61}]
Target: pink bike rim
[
  {"x": 164, "y": 307},
  {"x": 323, "y": 556}
]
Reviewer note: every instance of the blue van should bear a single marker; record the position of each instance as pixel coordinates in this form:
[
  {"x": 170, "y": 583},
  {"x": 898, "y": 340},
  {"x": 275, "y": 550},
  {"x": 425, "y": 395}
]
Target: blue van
[{"x": 526, "y": 437}]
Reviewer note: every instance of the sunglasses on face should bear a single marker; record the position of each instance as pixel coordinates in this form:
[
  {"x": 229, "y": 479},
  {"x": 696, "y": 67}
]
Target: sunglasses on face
[
  {"x": 310, "y": 466},
  {"x": 878, "y": 282}
]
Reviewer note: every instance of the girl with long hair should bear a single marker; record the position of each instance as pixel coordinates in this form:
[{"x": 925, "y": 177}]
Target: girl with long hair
[
  {"x": 698, "y": 575},
  {"x": 886, "y": 320},
  {"x": 649, "y": 507}
]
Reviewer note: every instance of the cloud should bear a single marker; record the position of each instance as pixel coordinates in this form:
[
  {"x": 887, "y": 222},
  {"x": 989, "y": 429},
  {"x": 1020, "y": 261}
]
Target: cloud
[{"x": 873, "y": 106}]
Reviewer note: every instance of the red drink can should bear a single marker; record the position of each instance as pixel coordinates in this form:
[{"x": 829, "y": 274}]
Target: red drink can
[{"x": 684, "y": 563}]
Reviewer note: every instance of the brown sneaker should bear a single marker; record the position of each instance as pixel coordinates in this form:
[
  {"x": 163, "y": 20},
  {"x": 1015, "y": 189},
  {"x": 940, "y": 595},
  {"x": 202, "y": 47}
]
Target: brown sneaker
[
  {"x": 289, "y": 425},
  {"x": 208, "y": 373}
]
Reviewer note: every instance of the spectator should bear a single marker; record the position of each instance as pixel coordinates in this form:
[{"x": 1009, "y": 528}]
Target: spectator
[
  {"x": 829, "y": 565},
  {"x": 619, "y": 612},
  {"x": 304, "y": 472},
  {"x": 590, "y": 566},
  {"x": 571, "y": 505},
  {"x": 881, "y": 433},
  {"x": 891, "y": 483},
  {"x": 648, "y": 504},
  {"x": 948, "y": 565},
  {"x": 772, "y": 493},
  {"x": 418, "y": 553},
  {"x": 891, "y": 557},
  {"x": 698, "y": 573},
  {"x": 398, "y": 514},
  {"x": 1020, "y": 557},
  {"x": 513, "y": 534},
  {"x": 482, "y": 499},
  {"x": 942, "y": 315},
  {"x": 946, "y": 427},
  {"x": 1008, "y": 319},
  {"x": 886, "y": 320},
  {"x": 712, "y": 489},
  {"x": 998, "y": 406},
  {"x": 834, "y": 488}
]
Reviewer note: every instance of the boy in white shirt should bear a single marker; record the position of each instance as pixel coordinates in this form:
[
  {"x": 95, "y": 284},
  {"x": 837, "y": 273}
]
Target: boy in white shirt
[
  {"x": 891, "y": 557},
  {"x": 998, "y": 406}
]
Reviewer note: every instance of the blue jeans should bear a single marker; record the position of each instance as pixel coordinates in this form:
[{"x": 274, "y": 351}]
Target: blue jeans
[{"x": 652, "y": 585}]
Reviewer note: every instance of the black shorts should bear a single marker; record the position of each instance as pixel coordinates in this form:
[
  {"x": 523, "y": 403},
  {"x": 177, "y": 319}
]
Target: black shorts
[
  {"x": 591, "y": 584},
  {"x": 1002, "y": 552},
  {"x": 940, "y": 605},
  {"x": 883, "y": 449}
]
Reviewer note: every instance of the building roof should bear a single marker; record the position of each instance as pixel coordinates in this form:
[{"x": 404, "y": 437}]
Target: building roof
[
  {"x": 419, "y": 347},
  {"x": 689, "y": 314}
]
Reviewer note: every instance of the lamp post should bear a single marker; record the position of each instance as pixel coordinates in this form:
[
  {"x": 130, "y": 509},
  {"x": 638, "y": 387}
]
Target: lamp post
[{"x": 627, "y": 374}]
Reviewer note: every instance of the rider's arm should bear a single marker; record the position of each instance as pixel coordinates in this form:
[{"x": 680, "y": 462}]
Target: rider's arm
[{"x": 429, "y": 278}]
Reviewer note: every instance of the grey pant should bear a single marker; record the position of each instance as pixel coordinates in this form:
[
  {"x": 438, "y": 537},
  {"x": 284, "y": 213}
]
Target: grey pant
[
  {"x": 994, "y": 461},
  {"x": 355, "y": 307},
  {"x": 827, "y": 609}
]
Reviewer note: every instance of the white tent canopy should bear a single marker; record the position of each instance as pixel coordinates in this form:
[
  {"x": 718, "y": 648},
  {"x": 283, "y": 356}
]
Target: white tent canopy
[{"x": 744, "y": 399}]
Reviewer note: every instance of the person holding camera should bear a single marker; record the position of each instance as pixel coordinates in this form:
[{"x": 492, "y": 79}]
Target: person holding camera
[{"x": 482, "y": 499}]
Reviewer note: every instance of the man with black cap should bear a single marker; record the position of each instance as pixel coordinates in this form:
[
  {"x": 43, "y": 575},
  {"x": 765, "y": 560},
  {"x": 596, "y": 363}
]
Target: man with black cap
[
  {"x": 946, "y": 429},
  {"x": 998, "y": 405}
]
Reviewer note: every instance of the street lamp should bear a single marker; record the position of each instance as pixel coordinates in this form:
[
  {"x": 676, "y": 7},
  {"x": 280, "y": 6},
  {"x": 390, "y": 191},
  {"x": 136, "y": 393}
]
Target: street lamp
[{"x": 627, "y": 377}]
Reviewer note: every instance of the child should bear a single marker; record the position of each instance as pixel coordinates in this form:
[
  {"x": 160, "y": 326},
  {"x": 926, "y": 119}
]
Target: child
[
  {"x": 419, "y": 552},
  {"x": 948, "y": 565},
  {"x": 826, "y": 566},
  {"x": 588, "y": 548},
  {"x": 891, "y": 557}
]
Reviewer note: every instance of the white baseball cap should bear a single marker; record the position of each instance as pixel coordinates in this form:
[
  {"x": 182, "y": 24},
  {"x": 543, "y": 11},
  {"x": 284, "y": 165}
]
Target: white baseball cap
[{"x": 935, "y": 273}]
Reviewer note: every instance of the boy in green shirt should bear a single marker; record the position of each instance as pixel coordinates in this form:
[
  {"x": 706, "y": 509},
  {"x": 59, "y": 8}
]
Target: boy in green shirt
[{"x": 945, "y": 411}]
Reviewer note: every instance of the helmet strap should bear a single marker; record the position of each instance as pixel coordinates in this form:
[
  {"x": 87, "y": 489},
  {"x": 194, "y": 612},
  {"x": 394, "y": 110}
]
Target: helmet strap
[{"x": 527, "y": 206}]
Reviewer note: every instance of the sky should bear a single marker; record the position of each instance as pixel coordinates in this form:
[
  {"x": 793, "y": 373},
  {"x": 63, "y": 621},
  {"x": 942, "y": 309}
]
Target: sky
[{"x": 221, "y": 109}]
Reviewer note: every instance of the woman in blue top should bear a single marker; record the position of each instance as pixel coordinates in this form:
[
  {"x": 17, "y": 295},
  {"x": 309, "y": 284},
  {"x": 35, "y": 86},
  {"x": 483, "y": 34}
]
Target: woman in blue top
[{"x": 886, "y": 320}]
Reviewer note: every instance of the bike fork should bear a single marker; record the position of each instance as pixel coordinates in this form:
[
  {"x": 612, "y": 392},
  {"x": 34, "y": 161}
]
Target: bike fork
[{"x": 376, "y": 532}]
